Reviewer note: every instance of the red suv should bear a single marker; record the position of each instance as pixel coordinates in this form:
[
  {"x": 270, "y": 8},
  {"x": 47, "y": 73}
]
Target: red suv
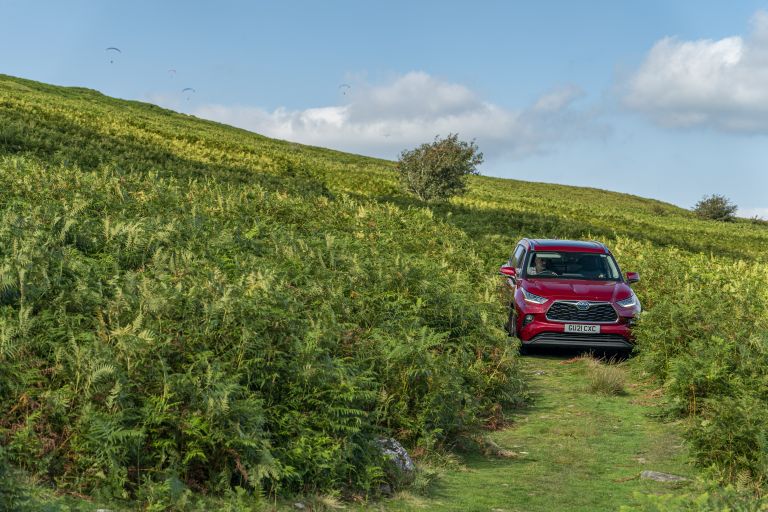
[{"x": 569, "y": 293}]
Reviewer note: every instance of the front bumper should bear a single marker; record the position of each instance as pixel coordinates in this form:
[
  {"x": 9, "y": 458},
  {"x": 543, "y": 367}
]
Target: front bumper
[
  {"x": 542, "y": 332},
  {"x": 562, "y": 339}
]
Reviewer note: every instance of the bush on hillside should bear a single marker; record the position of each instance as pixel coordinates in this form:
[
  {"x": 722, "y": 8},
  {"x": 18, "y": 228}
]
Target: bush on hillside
[
  {"x": 716, "y": 207},
  {"x": 439, "y": 170},
  {"x": 710, "y": 348}
]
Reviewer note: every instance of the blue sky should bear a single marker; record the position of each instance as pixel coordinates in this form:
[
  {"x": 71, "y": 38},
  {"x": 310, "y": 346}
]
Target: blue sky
[{"x": 660, "y": 99}]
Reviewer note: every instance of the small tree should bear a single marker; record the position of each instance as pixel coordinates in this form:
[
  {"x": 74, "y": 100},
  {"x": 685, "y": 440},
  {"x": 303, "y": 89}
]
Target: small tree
[
  {"x": 439, "y": 170},
  {"x": 715, "y": 207}
]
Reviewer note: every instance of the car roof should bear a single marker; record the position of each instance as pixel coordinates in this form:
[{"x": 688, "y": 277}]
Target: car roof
[{"x": 539, "y": 244}]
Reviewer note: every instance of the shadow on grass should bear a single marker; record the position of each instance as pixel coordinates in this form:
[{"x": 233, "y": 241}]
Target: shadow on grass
[{"x": 565, "y": 353}]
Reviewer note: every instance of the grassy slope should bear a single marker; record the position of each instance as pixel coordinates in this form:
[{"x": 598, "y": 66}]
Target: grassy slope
[
  {"x": 582, "y": 451},
  {"x": 185, "y": 302},
  {"x": 486, "y": 213},
  {"x": 75, "y": 127}
]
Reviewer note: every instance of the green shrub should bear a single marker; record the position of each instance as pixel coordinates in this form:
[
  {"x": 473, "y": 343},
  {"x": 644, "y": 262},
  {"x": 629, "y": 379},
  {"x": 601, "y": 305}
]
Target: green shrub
[
  {"x": 729, "y": 435},
  {"x": 716, "y": 207},
  {"x": 707, "y": 498},
  {"x": 706, "y": 337},
  {"x": 439, "y": 170}
]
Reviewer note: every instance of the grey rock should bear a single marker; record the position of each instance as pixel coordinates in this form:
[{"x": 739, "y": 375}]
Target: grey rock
[
  {"x": 397, "y": 454},
  {"x": 299, "y": 505},
  {"x": 662, "y": 477}
]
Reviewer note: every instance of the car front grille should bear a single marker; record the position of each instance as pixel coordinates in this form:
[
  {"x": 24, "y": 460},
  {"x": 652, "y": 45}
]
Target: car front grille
[
  {"x": 567, "y": 311},
  {"x": 568, "y": 338}
]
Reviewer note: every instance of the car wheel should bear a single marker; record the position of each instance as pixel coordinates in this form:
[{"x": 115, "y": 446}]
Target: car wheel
[
  {"x": 511, "y": 328},
  {"x": 512, "y": 322}
]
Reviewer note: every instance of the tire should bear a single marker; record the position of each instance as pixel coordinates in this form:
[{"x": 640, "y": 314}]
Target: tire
[
  {"x": 511, "y": 325},
  {"x": 511, "y": 328}
]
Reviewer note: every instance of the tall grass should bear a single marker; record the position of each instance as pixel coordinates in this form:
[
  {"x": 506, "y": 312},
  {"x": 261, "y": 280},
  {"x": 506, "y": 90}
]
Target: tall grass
[
  {"x": 605, "y": 378},
  {"x": 180, "y": 309},
  {"x": 706, "y": 336}
]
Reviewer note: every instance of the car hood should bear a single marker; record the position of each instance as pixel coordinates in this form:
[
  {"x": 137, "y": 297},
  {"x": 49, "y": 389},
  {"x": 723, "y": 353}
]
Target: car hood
[{"x": 577, "y": 289}]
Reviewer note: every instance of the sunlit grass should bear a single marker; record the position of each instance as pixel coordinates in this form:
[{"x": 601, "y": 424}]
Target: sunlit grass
[
  {"x": 576, "y": 451},
  {"x": 605, "y": 377}
]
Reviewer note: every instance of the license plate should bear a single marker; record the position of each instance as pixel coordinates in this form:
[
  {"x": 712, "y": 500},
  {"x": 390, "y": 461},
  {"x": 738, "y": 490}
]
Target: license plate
[{"x": 582, "y": 328}]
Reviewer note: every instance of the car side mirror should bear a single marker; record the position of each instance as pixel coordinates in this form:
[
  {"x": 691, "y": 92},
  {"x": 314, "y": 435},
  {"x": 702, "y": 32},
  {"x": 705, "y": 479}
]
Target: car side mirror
[
  {"x": 633, "y": 277},
  {"x": 508, "y": 271}
]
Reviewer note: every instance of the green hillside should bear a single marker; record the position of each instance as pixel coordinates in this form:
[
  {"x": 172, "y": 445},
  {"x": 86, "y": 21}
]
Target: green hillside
[{"x": 186, "y": 305}]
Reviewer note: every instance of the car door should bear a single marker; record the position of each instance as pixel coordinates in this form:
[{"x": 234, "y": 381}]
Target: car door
[{"x": 516, "y": 260}]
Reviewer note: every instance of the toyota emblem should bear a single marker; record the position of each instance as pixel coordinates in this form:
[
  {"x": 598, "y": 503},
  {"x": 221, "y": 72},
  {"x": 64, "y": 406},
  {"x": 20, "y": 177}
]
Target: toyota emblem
[{"x": 583, "y": 305}]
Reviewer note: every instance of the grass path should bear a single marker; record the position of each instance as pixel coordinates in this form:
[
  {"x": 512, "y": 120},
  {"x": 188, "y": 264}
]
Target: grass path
[
  {"x": 577, "y": 451},
  {"x": 571, "y": 450}
]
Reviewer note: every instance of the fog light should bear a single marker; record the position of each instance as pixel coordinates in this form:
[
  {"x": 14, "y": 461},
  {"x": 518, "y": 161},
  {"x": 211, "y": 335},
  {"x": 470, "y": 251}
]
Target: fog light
[{"x": 528, "y": 319}]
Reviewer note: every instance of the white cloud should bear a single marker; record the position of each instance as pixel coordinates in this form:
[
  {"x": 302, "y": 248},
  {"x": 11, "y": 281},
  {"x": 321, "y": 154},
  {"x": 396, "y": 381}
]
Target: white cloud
[
  {"x": 557, "y": 99},
  {"x": 383, "y": 119},
  {"x": 718, "y": 84},
  {"x": 748, "y": 213}
]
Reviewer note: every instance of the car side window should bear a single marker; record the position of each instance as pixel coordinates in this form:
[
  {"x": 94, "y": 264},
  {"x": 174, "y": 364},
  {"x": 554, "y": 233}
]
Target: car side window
[{"x": 517, "y": 258}]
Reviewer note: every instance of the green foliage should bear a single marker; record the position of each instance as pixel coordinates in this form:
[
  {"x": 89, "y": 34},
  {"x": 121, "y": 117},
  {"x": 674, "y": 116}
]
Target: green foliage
[
  {"x": 12, "y": 496},
  {"x": 190, "y": 308},
  {"x": 187, "y": 308},
  {"x": 707, "y": 499},
  {"x": 705, "y": 335},
  {"x": 716, "y": 207},
  {"x": 439, "y": 170}
]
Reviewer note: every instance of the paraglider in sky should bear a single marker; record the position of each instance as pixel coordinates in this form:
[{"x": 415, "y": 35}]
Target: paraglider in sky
[
  {"x": 345, "y": 88},
  {"x": 172, "y": 72},
  {"x": 112, "y": 52},
  {"x": 188, "y": 91}
]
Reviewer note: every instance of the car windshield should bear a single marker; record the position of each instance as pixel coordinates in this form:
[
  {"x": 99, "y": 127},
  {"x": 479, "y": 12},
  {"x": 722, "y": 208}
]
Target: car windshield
[{"x": 572, "y": 265}]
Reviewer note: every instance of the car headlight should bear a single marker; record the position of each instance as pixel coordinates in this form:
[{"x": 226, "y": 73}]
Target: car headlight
[
  {"x": 532, "y": 297},
  {"x": 629, "y": 302}
]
